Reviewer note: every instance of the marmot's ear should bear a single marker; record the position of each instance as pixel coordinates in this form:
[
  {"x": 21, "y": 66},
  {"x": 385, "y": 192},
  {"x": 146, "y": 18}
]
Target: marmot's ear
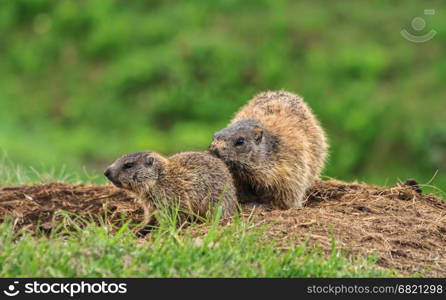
[
  {"x": 149, "y": 161},
  {"x": 258, "y": 134}
]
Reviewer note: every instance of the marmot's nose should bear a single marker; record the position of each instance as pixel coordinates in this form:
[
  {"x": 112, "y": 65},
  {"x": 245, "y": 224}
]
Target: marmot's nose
[
  {"x": 107, "y": 173},
  {"x": 214, "y": 150}
]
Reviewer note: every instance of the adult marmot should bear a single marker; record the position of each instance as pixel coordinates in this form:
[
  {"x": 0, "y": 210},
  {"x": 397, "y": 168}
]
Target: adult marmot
[
  {"x": 275, "y": 148},
  {"x": 197, "y": 181}
]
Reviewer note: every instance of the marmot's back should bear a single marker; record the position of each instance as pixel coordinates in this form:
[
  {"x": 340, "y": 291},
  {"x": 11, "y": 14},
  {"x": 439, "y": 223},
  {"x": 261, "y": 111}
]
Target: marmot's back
[
  {"x": 283, "y": 113},
  {"x": 202, "y": 179},
  {"x": 268, "y": 103}
]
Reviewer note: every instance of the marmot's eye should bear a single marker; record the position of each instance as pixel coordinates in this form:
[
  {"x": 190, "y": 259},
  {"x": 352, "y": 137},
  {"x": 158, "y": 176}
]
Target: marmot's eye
[
  {"x": 239, "y": 142},
  {"x": 128, "y": 165}
]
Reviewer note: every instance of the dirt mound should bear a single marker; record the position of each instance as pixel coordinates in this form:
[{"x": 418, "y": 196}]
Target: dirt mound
[
  {"x": 406, "y": 229},
  {"x": 34, "y": 206}
]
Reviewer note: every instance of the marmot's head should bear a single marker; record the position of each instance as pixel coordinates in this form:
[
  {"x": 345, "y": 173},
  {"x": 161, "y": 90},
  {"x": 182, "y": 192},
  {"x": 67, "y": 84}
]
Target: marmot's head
[
  {"x": 137, "y": 171},
  {"x": 240, "y": 144}
]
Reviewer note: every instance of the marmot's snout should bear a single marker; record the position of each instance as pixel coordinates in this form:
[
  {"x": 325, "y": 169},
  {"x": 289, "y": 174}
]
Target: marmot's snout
[
  {"x": 214, "y": 150},
  {"x": 219, "y": 149},
  {"x": 109, "y": 174}
]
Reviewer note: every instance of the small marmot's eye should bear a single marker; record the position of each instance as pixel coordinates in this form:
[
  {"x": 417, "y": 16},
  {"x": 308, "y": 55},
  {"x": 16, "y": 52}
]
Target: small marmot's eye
[
  {"x": 128, "y": 165},
  {"x": 239, "y": 142}
]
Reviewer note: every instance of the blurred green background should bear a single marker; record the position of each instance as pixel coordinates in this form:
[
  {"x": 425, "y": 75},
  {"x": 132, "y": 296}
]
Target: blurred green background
[{"x": 83, "y": 82}]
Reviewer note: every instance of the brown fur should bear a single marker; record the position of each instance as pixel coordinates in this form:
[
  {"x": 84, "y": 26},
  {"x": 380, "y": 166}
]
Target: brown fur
[
  {"x": 283, "y": 149},
  {"x": 197, "y": 180}
]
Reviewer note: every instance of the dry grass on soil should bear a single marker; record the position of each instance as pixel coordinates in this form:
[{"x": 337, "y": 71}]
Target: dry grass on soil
[{"x": 405, "y": 228}]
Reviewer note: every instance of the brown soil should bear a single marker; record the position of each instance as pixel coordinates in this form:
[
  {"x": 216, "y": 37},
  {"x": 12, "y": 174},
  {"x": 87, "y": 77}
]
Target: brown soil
[{"x": 404, "y": 228}]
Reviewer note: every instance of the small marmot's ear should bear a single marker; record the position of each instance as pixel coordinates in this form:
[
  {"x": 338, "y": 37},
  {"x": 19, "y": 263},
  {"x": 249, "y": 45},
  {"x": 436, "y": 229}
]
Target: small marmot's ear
[{"x": 258, "y": 134}]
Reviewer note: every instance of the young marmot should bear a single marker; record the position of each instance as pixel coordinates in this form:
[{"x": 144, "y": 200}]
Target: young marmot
[
  {"x": 275, "y": 148},
  {"x": 196, "y": 180}
]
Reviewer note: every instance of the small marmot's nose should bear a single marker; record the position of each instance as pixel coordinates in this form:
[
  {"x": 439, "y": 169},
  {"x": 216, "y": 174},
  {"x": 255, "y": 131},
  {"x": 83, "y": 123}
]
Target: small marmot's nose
[{"x": 107, "y": 173}]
